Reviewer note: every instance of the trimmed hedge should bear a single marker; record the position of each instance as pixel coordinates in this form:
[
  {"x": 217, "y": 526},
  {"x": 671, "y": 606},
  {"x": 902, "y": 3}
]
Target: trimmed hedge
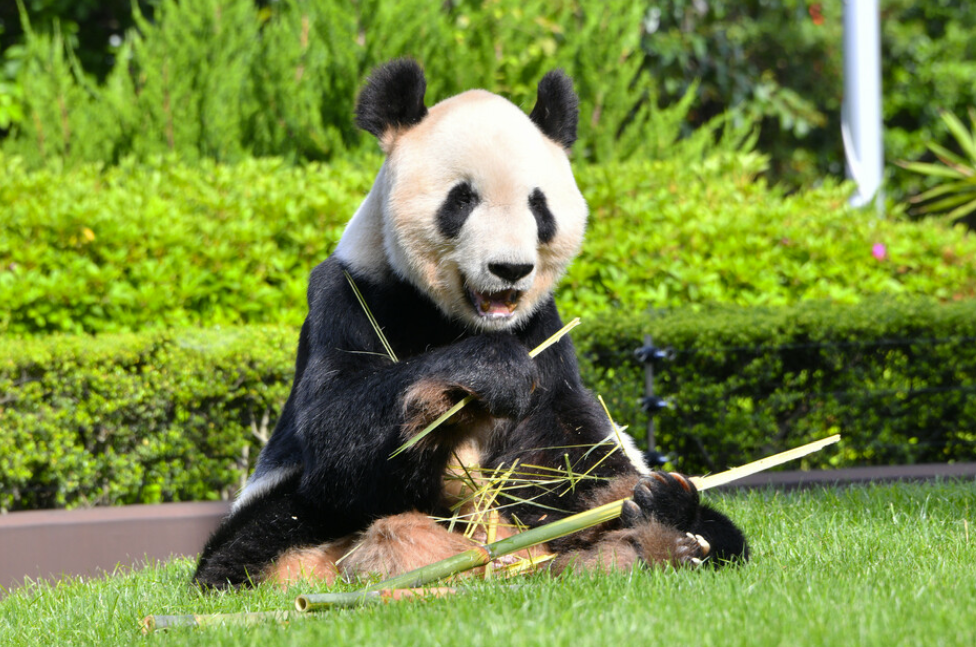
[
  {"x": 164, "y": 243},
  {"x": 896, "y": 376},
  {"x": 178, "y": 415},
  {"x": 137, "y": 418}
]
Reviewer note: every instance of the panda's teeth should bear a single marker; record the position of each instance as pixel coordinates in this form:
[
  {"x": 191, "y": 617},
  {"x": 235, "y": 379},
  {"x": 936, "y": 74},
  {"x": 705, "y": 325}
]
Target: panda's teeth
[{"x": 485, "y": 305}]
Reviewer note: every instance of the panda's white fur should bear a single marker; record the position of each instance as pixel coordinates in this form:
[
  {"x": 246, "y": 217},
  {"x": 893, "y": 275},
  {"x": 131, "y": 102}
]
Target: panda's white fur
[
  {"x": 484, "y": 140},
  {"x": 471, "y": 221}
]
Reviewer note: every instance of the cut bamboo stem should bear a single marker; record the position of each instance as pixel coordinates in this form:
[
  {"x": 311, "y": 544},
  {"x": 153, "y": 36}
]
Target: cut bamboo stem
[
  {"x": 163, "y": 622},
  {"x": 405, "y": 586},
  {"x": 154, "y": 623},
  {"x": 482, "y": 555}
]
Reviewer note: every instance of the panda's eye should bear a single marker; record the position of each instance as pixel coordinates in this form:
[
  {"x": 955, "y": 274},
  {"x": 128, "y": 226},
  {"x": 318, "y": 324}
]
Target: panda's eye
[
  {"x": 465, "y": 195},
  {"x": 454, "y": 211},
  {"x": 544, "y": 220}
]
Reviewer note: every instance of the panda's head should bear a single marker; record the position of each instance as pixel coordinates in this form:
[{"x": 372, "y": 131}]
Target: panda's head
[{"x": 476, "y": 203}]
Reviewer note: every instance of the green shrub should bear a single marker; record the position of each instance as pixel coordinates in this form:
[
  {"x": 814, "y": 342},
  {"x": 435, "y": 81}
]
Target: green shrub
[
  {"x": 164, "y": 243},
  {"x": 180, "y": 414},
  {"x": 710, "y": 232},
  {"x": 895, "y": 376},
  {"x": 221, "y": 79},
  {"x": 163, "y": 416}
]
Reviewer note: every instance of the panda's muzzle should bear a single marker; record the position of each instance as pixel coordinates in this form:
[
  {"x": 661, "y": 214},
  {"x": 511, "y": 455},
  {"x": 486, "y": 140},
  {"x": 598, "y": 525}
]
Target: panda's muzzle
[
  {"x": 500, "y": 304},
  {"x": 495, "y": 305}
]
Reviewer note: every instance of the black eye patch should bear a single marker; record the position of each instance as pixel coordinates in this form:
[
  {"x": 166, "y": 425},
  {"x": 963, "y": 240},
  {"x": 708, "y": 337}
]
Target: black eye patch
[
  {"x": 460, "y": 202},
  {"x": 543, "y": 217}
]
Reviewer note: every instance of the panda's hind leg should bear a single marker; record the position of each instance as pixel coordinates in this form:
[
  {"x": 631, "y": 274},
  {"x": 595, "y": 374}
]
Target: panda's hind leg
[
  {"x": 390, "y": 546},
  {"x": 254, "y": 535},
  {"x": 664, "y": 523},
  {"x": 672, "y": 501},
  {"x": 401, "y": 543}
]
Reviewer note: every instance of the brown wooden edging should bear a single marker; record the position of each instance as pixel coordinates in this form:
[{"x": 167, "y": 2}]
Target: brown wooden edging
[{"x": 53, "y": 543}]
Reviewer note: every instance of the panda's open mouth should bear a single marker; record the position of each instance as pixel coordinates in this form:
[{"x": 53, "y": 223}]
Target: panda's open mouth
[{"x": 495, "y": 305}]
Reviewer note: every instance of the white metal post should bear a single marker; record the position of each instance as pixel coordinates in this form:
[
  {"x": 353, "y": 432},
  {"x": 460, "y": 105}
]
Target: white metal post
[{"x": 861, "y": 122}]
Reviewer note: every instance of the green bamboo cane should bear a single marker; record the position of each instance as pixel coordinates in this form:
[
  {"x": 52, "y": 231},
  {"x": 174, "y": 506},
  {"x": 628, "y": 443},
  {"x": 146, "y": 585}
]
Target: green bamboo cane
[
  {"x": 154, "y": 623},
  {"x": 482, "y": 555},
  {"x": 473, "y": 558}
]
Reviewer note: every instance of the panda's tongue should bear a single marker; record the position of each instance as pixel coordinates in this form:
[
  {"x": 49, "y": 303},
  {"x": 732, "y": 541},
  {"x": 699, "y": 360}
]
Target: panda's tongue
[{"x": 495, "y": 304}]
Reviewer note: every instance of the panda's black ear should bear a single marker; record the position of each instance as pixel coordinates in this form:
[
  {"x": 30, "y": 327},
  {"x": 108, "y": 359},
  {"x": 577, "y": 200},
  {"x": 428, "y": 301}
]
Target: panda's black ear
[
  {"x": 556, "y": 111},
  {"x": 392, "y": 98}
]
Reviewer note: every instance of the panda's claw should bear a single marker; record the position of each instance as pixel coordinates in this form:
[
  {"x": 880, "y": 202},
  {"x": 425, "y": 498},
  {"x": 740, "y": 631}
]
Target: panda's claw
[
  {"x": 630, "y": 513},
  {"x": 705, "y": 546},
  {"x": 682, "y": 481},
  {"x": 643, "y": 496}
]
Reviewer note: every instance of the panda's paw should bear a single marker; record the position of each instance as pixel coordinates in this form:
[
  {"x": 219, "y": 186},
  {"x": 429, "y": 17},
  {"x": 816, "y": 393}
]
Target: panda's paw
[
  {"x": 498, "y": 371},
  {"x": 667, "y": 498},
  {"x": 658, "y": 544}
]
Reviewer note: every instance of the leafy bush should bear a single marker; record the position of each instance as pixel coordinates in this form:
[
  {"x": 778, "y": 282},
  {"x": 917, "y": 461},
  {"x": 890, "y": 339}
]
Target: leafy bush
[
  {"x": 222, "y": 79},
  {"x": 165, "y": 243},
  {"x": 180, "y": 414},
  {"x": 163, "y": 416},
  {"x": 895, "y": 376},
  {"x": 662, "y": 236},
  {"x": 954, "y": 196}
]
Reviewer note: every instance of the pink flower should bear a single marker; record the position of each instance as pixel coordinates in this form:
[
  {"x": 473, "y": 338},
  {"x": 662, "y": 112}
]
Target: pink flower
[{"x": 879, "y": 251}]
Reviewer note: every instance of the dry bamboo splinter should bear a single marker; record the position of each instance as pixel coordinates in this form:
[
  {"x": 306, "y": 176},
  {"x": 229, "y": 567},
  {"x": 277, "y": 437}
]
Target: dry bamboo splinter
[{"x": 482, "y": 555}]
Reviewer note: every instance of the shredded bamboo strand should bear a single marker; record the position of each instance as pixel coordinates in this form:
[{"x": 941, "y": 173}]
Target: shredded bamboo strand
[{"x": 372, "y": 319}]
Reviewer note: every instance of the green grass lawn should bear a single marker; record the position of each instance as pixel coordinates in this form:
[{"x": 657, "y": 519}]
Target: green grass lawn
[{"x": 876, "y": 565}]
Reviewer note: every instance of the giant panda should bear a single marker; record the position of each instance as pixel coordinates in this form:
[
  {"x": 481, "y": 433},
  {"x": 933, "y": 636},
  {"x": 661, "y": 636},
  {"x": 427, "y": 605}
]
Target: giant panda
[{"x": 456, "y": 249}]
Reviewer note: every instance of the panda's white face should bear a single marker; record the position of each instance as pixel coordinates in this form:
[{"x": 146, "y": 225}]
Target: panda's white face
[{"x": 480, "y": 210}]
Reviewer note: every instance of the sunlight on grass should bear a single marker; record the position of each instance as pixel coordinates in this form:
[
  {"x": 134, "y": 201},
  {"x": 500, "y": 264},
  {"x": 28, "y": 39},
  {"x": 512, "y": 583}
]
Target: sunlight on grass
[{"x": 875, "y": 565}]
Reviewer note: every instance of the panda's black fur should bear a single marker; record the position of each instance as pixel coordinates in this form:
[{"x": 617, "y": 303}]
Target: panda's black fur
[{"x": 327, "y": 472}]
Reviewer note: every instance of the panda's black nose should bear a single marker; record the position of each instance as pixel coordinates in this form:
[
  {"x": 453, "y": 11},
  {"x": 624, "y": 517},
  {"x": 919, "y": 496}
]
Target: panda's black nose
[{"x": 511, "y": 272}]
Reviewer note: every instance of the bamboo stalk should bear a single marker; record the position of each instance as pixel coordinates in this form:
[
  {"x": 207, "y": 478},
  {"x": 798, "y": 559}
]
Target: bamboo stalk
[
  {"x": 482, "y": 555},
  {"x": 736, "y": 473},
  {"x": 405, "y": 586},
  {"x": 468, "y": 398},
  {"x": 163, "y": 622}
]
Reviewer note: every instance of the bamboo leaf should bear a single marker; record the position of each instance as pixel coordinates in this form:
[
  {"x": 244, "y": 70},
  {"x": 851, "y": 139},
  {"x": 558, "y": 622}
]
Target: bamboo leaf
[
  {"x": 961, "y": 134},
  {"x": 963, "y": 211},
  {"x": 948, "y": 157},
  {"x": 372, "y": 319},
  {"x": 943, "y": 189},
  {"x": 935, "y": 170},
  {"x": 946, "y": 203}
]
